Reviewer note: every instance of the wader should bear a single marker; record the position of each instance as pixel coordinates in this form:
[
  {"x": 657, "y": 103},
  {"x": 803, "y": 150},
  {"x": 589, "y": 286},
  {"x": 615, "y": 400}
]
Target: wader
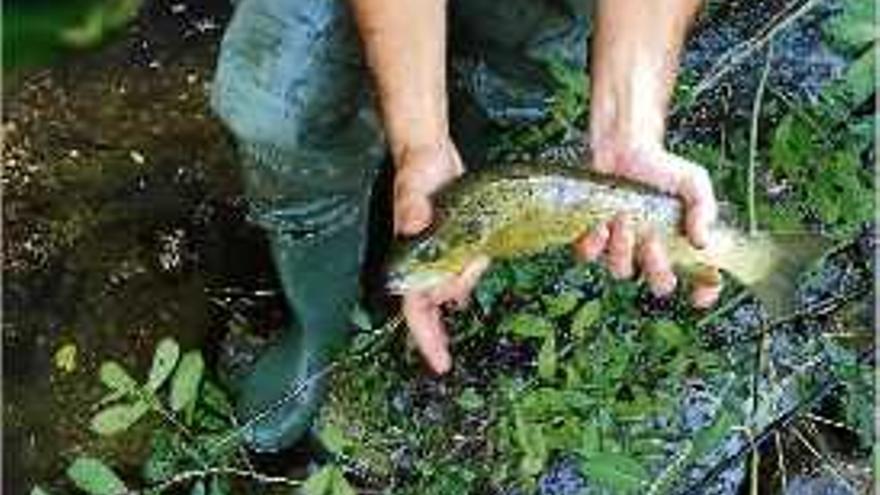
[{"x": 293, "y": 88}]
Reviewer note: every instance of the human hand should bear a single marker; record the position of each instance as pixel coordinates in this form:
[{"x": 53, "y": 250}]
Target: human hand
[
  {"x": 625, "y": 247},
  {"x": 420, "y": 172}
]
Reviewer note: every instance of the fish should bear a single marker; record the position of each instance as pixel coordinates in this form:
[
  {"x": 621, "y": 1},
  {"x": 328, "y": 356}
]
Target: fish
[{"x": 521, "y": 209}]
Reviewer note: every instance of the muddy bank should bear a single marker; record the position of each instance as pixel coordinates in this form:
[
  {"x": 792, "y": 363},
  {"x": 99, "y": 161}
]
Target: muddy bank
[{"x": 123, "y": 223}]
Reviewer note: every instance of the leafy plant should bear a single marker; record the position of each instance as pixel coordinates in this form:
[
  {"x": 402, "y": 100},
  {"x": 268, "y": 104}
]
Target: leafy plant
[{"x": 196, "y": 444}]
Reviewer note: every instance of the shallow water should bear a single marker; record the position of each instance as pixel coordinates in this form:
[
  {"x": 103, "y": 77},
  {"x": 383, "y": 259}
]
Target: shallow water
[{"x": 123, "y": 224}]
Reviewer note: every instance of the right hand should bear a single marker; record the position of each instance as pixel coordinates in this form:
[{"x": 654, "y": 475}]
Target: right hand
[{"x": 420, "y": 172}]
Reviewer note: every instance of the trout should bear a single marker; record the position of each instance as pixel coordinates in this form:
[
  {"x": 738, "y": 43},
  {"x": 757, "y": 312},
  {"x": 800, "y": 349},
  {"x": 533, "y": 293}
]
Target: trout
[{"x": 522, "y": 209}]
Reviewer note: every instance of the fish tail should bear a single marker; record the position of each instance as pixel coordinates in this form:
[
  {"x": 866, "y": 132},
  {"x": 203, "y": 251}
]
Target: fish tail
[{"x": 770, "y": 265}]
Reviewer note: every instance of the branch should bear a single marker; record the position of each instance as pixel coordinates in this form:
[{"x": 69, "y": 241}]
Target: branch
[{"x": 204, "y": 473}]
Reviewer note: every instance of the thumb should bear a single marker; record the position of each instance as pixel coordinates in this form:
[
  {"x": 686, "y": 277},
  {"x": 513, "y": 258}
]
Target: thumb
[{"x": 412, "y": 213}]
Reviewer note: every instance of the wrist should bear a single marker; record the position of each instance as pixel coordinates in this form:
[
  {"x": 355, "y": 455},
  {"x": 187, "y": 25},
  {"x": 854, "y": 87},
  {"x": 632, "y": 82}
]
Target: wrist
[
  {"x": 440, "y": 154},
  {"x": 415, "y": 125},
  {"x": 635, "y": 59}
]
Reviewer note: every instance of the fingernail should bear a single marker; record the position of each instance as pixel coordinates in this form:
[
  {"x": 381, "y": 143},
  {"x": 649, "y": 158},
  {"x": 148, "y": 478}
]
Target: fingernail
[
  {"x": 704, "y": 298},
  {"x": 621, "y": 272},
  {"x": 442, "y": 364},
  {"x": 664, "y": 286}
]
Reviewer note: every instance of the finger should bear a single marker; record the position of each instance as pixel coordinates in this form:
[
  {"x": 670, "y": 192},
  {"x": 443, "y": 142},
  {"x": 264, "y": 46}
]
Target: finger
[
  {"x": 591, "y": 245},
  {"x": 656, "y": 266},
  {"x": 707, "y": 284},
  {"x": 423, "y": 318},
  {"x": 620, "y": 247},
  {"x": 469, "y": 278},
  {"x": 695, "y": 188},
  {"x": 675, "y": 175},
  {"x": 412, "y": 213},
  {"x": 604, "y": 159},
  {"x": 461, "y": 287}
]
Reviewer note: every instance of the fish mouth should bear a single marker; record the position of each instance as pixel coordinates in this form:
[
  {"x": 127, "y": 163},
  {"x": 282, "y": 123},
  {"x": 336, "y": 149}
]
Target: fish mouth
[{"x": 399, "y": 283}]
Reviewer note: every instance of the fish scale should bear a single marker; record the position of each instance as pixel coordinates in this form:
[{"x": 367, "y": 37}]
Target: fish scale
[{"x": 522, "y": 209}]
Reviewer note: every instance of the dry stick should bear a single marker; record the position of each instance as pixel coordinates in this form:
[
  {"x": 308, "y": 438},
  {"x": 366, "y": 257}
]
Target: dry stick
[
  {"x": 753, "y": 140},
  {"x": 743, "y": 50},
  {"x": 829, "y": 422},
  {"x": 756, "y": 458},
  {"x": 826, "y": 463},
  {"x": 295, "y": 391},
  {"x": 780, "y": 459},
  {"x": 777, "y": 437},
  {"x": 204, "y": 473},
  {"x": 723, "y": 309}
]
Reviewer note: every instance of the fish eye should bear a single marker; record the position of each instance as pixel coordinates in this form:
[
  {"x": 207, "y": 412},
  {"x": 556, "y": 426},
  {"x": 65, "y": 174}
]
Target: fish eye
[{"x": 430, "y": 251}]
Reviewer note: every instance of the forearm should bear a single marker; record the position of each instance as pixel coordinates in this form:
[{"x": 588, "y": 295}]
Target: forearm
[
  {"x": 636, "y": 49},
  {"x": 405, "y": 46}
]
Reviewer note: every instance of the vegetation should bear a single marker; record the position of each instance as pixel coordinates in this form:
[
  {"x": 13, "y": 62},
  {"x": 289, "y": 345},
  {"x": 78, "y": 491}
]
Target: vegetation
[{"x": 564, "y": 380}]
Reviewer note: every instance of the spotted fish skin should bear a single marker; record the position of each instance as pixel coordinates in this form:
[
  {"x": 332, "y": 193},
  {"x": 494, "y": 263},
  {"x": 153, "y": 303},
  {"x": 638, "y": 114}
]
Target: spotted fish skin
[{"x": 521, "y": 209}]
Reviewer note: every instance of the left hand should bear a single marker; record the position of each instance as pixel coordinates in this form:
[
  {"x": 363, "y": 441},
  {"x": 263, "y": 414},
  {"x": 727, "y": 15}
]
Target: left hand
[
  {"x": 625, "y": 247},
  {"x": 636, "y": 46}
]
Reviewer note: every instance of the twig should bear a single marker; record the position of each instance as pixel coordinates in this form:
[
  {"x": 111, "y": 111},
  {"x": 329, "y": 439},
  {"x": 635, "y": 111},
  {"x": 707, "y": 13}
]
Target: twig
[
  {"x": 157, "y": 406},
  {"x": 829, "y": 422},
  {"x": 826, "y": 463},
  {"x": 291, "y": 394},
  {"x": 297, "y": 388},
  {"x": 780, "y": 459},
  {"x": 743, "y": 50},
  {"x": 242, "y": 451},
  {"x": 755, "y": 461},
  {"x": 204, "y": 473},
  {"x": 753, "y": 140},
  {"x": 723, "y": 309}
]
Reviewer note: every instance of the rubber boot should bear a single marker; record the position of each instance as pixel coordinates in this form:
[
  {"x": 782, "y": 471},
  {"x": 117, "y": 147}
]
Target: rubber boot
[{"x": 278, "y": 399}]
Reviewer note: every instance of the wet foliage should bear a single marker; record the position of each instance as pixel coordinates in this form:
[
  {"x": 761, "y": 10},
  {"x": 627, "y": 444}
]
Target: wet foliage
[
  {"x": 565, "y": 381},
  {"x": 568, "y": 382}
]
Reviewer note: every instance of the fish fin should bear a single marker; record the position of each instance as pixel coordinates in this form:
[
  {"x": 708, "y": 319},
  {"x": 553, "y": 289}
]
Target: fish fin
[{"x": 771, "y": 264}]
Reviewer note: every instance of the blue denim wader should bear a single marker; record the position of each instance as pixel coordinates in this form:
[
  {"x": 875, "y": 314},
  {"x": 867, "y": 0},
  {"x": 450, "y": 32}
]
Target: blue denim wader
[{"x": 292, "y": 87}]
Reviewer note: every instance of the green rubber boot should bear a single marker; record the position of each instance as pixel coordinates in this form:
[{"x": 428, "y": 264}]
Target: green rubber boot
[{"x": 279, "y": 398}]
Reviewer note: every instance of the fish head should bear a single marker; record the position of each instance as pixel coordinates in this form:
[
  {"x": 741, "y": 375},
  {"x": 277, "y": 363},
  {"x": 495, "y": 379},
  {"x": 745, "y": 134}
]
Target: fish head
[{"x": 422, "y": 263}]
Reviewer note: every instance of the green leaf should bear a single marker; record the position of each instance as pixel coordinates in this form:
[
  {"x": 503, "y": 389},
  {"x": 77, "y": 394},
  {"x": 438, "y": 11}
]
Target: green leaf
[
  {"x": 165, "y": 459},
  {"x": 585, "y": 318},
  {"x": 216, "y": 399},
  {"x": 547, "y": 360},
  {"x": 118, "y": 418},
  {"x": 361, "y": 319},
  {"x": 198, "y": 488},
  {"x": 562, "y": 304},
  {"x": 858, "y": 80},
  {"x": 852, "y": 90},
  {"x": 470, "y": 400},
  {"x": 854, "y": 26},
  {"x": 616, "y": 471},
  {"x": 164, "y": 361},
  {"x": 792, "y": 147},
  {"x": 219, "y": 486},
  {"x": 530, "y": 439},
  {"x": 527, "y": 325},
  {"x": 590, "y": 440},
  {"x": 670, "y": 334},
  {"x": 328, "y": 480},
  {"x": 114, "y": 376},
  {"x": 707, "y": 438},
  {"x": 94, "y": 477},
  {"x": 333, "y": 439},
  {"x": 185, "y": 385},
  {"x": 37, "y": 490}
]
